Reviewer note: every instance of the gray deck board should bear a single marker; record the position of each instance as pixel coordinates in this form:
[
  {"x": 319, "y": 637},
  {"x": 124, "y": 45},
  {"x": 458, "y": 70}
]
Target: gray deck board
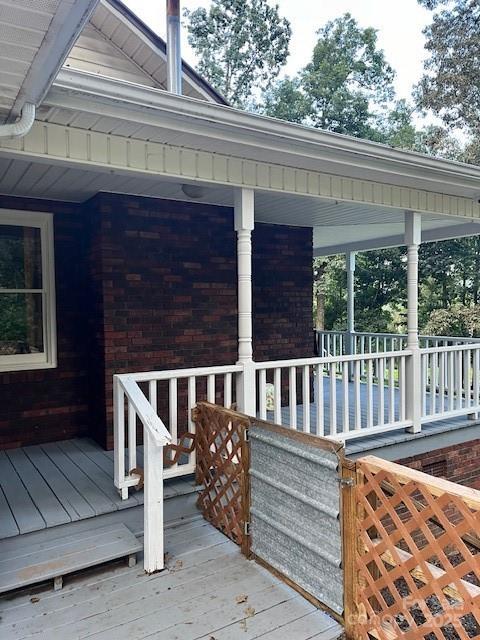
[
  {"x": 26, "y": 514},
  {"x": 72, "y": 501},
  {"x": 97, "y": 500},
  {"x": 45, "y": 500},
  {"x": 96, "y": 475},
  {"x": 8, "y": 526},
  {"x": 194, "y": 598}
]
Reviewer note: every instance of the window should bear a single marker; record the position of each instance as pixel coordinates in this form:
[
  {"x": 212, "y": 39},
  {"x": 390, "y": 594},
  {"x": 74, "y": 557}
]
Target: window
[{"x": 27, "y": 295}]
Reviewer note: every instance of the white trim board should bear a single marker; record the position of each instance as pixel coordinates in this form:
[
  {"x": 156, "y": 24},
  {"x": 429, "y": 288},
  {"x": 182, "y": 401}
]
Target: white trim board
[{"x": 57, "y": 144}]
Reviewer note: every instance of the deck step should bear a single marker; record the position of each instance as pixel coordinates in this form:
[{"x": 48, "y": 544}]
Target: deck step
[{"x": 58, "y": 556}]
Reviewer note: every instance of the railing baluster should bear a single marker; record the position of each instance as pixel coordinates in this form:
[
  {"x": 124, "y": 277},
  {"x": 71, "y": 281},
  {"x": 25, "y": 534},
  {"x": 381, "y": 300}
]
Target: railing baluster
[
  {"x": 423, "y": 378},
  {"x": 442, "y": 372},
  {"x": 227, "y": 390},
  {"x": 381, "y": 392},
  {"x": 132, "y": 437},
  {"x": 369, "y": 393},
  {"x": 292, "y": 396},
  {"x": 391, "y": 390},
  {"x": 458, "y": 376},
  {"x": 306, "y": 398},
  {"x": 451, "y": 387},
  {"x": 358, "y": 400},
  {"x": 319, "y": 413},
  {"x": 262, "y": 393},
  {"x": 192, "y": 401},
  {"x": 346, "y": 403},
  {"x": 476, "y": 378},
  {"x": 433, "y": 384},
  {"x": 173, "y": 409},
  {"x": 277, "y": 382},
  {"x": 333, "y": 400},
  {"x": 211, "y": 388},
  {"x": 401, "y": 388},
  {"x": 466, "y": 376}
]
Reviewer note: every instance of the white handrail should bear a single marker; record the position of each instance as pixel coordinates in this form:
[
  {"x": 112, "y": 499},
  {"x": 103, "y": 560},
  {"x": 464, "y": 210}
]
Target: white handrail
[
  {"x": 144, "y": 410},
  {"x": 298, "y": 362},
  {"x": 155, "y": 437}
]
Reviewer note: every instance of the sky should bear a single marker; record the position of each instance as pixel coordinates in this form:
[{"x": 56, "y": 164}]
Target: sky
[{"x": 399, "y": 24}]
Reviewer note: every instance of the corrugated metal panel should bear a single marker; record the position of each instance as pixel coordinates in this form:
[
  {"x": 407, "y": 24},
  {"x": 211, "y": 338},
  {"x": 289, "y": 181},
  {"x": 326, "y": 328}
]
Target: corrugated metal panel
[{"x": 295, "y": 503}]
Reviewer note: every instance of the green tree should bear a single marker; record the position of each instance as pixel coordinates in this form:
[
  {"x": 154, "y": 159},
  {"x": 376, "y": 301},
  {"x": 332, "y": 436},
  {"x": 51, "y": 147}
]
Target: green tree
[
  {"x": 450, "y": 85},
  {"x": 241, "y": 46},
  {"x": 339, "y": 90}
]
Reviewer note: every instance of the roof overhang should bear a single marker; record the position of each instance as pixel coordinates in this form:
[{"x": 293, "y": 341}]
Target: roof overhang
[
  {"x": 101, "y": 134},
  {"x": 217, "y": 127},
  {"x": 36, "y": 39}
]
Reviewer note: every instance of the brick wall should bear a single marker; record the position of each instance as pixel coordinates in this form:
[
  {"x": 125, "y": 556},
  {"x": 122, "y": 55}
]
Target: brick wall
[
  {"x": 458, "y": 463},
  {"x": 164, "y": 283},
  {"x": 52, "y": 404}
]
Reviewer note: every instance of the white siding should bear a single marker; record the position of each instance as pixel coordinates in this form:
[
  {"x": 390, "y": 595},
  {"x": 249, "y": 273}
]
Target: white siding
[{"x": 94, "y": 53}]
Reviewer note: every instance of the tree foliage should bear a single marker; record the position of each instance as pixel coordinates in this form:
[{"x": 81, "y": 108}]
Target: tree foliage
[
  {"x": 347, "y": 76},
  {"x": 241, "y": 46},
  {"x": 450, "y": 85}
]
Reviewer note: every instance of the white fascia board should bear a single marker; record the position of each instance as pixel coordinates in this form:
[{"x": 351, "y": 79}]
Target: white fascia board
[
  {"x": 64, "y": 29},
  {"x": 428, "y": 235},
  {"x": 87, "y": 92}
]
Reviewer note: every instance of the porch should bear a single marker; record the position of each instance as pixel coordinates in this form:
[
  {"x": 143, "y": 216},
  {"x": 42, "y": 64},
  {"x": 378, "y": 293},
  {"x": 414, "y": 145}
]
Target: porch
[{"x": 207, "y": 590}]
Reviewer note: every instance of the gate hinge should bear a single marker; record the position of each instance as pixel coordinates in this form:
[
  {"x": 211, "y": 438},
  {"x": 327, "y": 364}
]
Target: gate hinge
[
  {"x": 246, "y": 528},
  {"x": 346, "y": 482},
  {"x": 246, "y": 435}
]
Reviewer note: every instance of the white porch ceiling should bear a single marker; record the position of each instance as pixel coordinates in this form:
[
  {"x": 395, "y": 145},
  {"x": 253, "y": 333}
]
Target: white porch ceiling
[{"x": 337, "y": 225}]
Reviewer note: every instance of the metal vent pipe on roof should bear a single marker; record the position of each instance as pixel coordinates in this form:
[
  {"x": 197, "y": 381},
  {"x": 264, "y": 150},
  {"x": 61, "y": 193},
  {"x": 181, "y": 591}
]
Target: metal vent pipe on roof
[{"x": 174, "y": 55}]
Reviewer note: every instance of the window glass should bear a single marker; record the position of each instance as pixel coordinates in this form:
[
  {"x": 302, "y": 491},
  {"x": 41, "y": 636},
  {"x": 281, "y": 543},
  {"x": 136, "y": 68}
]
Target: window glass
[
  {"x": 20, "y": 257},
  {"x": 21, "y": 323}
]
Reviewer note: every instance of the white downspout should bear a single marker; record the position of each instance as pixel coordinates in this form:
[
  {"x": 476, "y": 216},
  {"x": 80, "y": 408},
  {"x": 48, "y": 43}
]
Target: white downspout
[{"x": 22, "y": 126}]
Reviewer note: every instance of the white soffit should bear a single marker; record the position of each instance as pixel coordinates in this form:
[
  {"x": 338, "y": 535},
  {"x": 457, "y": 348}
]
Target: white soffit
[
  {"x": 337, "y": 225},
  {"x": 35, "y": 37}
]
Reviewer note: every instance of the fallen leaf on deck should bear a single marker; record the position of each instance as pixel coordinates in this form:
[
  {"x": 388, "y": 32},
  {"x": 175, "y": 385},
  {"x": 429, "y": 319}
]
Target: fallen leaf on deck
[
  {"x": 249, "y": 612},
  {"x": 241, "y": 598},
  {"x": 34, "y": 600}
]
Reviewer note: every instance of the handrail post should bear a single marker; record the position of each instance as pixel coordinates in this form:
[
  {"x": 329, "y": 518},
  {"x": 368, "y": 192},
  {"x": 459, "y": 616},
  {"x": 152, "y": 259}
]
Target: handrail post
[
  {"x": 153, "y": 504},
  {"x": 413, "y": 230},
  {"x": 119, "y": 438}
]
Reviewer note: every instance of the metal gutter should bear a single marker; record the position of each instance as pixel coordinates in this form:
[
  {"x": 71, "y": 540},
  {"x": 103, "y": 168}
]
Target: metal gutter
[{"x": 87, "y": 92}]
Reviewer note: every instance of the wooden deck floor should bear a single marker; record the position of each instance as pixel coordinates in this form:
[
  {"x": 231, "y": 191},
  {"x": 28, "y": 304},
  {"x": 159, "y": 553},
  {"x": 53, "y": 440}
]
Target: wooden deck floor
[
  {"x": 195, "y": 598},
  {"x": 48, "y": 485}
]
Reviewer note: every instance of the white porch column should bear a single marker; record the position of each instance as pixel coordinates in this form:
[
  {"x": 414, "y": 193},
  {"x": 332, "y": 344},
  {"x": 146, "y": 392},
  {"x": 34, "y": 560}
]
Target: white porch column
[
  {"x": 244, "y": 224},
  {"x": 350, "y": 265},
  {"x": 413, "y": 232}
]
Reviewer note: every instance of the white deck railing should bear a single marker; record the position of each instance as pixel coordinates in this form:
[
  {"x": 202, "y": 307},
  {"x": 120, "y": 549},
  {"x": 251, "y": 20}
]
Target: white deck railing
[
  {"x": 331, "y": 396},
  {"x": 340, "y": 397},
  {"x": 450, "y": 381},
  {"x": 337, "y": 343}
]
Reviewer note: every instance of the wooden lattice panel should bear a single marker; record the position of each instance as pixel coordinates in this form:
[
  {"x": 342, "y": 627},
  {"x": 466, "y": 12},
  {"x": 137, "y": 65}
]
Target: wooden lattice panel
[
  {"x": 417, "y": 557},
  {"x": 173, "y": 453},
  {"x": 222, "y": 464}
]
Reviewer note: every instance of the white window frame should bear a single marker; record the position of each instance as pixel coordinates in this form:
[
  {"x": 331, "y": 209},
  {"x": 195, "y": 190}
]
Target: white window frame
[{"x": 48, "y": 358}]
